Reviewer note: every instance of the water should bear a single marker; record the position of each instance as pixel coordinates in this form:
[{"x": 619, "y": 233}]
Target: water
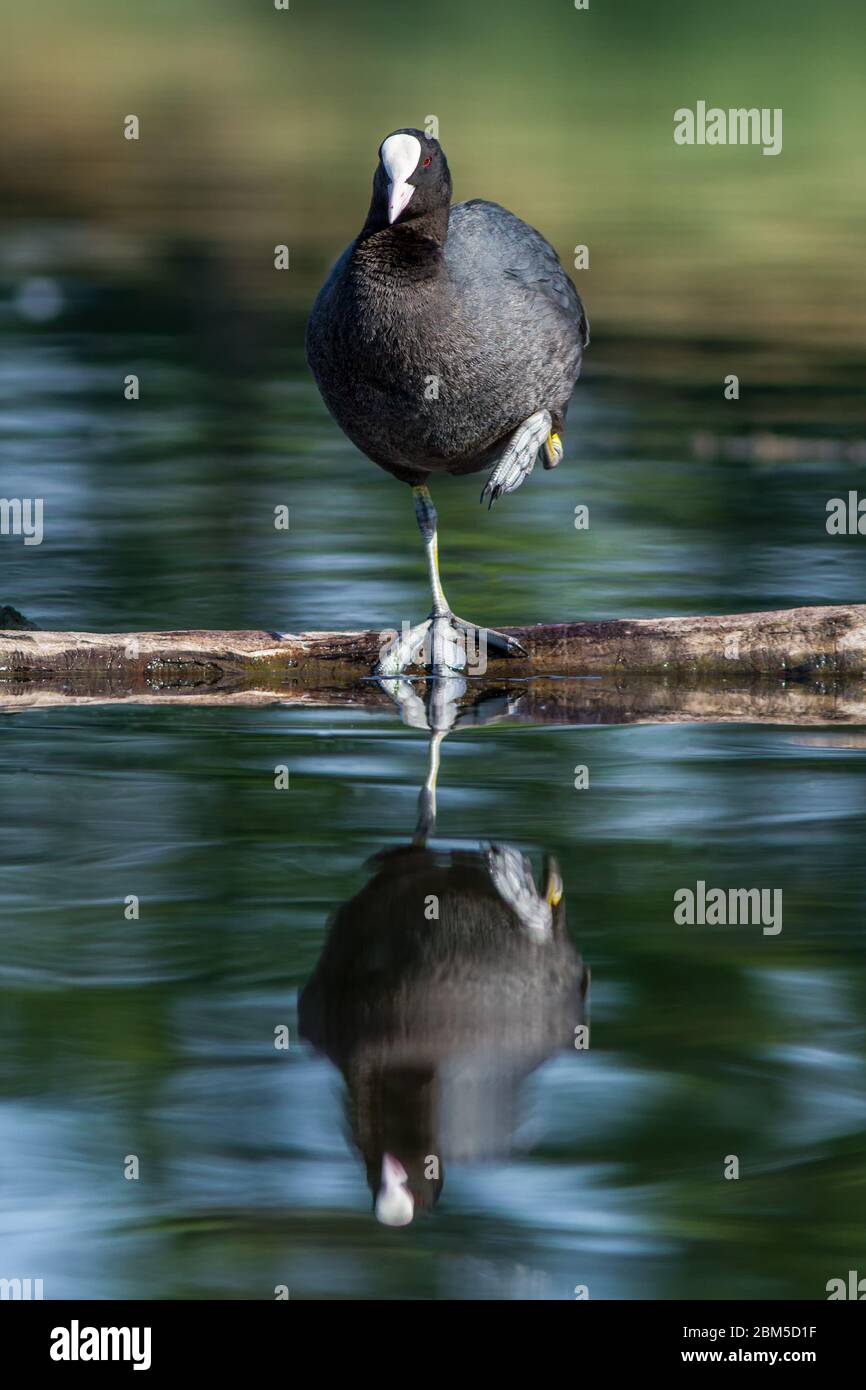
[{"x": 155, "y": 1037}]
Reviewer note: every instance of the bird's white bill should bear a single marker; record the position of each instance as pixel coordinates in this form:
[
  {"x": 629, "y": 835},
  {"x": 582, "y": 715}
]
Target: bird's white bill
[
  {"x": 395, "y": 1205},
  {"x": 398, "y": 199},
  {"x": 399, "y": 155}
]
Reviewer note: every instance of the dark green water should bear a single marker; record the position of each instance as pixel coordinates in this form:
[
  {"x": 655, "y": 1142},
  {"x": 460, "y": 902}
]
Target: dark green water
[{"x": 155, "y": 1037}]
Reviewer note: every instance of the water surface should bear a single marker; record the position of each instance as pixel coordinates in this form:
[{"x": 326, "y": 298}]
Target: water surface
[{"x": 155, "y": 1037}]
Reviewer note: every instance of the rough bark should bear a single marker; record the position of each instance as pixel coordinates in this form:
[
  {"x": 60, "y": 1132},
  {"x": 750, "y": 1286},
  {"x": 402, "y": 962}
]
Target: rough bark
[
  {"x": 793, "y": 643},
  {"x": 804, "y": 666}
]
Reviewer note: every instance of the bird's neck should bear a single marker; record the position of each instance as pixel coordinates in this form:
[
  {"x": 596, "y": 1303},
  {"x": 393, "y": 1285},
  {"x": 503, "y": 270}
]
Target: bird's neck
[{"x": 407, "y": 251}]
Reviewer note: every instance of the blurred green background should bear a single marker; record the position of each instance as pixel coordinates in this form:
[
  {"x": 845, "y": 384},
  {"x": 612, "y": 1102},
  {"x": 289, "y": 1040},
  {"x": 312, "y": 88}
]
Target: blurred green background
[{"x": 261, "y": 126}]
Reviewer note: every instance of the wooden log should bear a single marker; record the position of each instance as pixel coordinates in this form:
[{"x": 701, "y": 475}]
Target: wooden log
[
  {"x": 803, "y": 666},
  {"x": 791, "y": 643}
]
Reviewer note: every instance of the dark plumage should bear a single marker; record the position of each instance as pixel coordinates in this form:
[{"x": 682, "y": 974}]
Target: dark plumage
[
  {"x": 446, "y": 340},
  {"x": 468, "y": 294},
  {"x": 435, "y": 1021}
]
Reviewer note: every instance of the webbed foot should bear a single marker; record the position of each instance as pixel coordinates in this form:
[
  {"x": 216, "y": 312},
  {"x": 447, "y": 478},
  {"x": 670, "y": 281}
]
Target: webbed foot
[
  {"x": 518, "y": 458},
  {"x": 445, "y": 645}
]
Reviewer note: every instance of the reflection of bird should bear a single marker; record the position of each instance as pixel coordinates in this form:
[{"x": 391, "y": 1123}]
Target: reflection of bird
[
  {"x": 441, "y": 986},
  {"x": 446, "y": 340}
]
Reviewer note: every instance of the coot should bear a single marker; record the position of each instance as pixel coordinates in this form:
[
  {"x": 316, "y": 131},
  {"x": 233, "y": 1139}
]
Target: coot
[
  {"x": 446, "y": 340},
  {"x": 441, "y": 986},
  {"x": 435, "y": 1021}
]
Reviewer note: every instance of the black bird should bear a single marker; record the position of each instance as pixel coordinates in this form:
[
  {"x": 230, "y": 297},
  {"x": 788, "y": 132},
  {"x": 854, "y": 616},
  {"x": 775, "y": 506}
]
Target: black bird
[
  {"x": 442, "y": 985},
  {"x": 446, "y": 340}
]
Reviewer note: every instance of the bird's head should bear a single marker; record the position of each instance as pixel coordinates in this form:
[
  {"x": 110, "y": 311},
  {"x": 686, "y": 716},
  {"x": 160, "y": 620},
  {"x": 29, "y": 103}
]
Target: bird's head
[
  {"x": 412, "y": 178},
  {"x": 395, "y": 1203},
  {"x": 403, "y": 1188}
]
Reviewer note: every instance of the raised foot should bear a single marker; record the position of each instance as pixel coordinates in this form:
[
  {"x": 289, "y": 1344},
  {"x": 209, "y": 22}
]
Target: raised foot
[
  {"x": 446, "y": 645},
  {"x": 518, "y": 458}
]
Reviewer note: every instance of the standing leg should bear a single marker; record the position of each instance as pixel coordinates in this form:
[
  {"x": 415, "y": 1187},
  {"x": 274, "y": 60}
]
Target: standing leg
[
  {"x": 425, "y": 513},
  {"x": 443, "y": 636}
]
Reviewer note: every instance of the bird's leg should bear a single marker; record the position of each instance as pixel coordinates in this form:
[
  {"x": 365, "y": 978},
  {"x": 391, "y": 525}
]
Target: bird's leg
[
  {"x": 425, "y": 514},
  {"x": 452, "y": 645},
  {"x": 518, "y": 458},
  {"x": 427, "y": 796},
  {"x": 553, "y": 450}
]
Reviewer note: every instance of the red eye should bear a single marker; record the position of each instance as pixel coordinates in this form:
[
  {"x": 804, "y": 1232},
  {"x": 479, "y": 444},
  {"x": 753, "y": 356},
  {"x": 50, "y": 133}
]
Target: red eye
[{"x": 427, "y": 161}]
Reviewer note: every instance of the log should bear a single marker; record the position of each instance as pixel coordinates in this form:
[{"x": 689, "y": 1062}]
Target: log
[
  {"x": 791, "y": 644},
  {"x": 797, "y": 666}
]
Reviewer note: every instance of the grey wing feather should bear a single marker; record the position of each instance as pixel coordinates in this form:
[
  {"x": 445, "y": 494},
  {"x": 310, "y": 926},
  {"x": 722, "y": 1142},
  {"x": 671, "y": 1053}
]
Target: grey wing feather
[{"x": 495, "y": 236}]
